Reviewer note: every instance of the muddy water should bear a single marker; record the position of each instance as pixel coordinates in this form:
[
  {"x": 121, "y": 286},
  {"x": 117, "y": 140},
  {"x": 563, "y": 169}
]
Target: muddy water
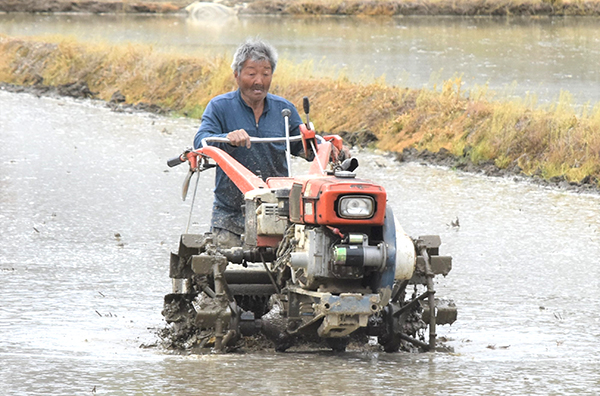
[
  {"x": 543, "y": 56},
  {"x": 89, "y": 212}
]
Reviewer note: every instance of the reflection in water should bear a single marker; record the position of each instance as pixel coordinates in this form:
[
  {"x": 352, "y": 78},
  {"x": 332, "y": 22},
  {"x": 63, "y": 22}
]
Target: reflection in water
[
  {"x": 89, "y": 212},
  {"x": 542, "y": 56}
]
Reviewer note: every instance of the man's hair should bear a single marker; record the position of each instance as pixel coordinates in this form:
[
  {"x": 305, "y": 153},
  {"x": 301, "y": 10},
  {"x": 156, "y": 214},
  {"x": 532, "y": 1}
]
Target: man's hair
[{"x": 256, "y": 50}]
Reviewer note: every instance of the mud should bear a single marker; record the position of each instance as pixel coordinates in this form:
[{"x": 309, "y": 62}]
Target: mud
[
  {"x": 80, "y": 90},
  {"x": 363, "y": 138},
  {"x": 488, "y": 168},
  {"x": 191, "y": 340}
]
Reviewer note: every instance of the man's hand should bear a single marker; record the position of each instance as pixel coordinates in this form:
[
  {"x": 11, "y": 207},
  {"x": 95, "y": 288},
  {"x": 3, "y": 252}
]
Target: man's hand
[
  {"x": 342, "y": 154},
  {"x": 239, "y": 137}
]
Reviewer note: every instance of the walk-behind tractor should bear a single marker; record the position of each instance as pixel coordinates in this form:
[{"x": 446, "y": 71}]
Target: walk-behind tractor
[{"x": 323, "y": 260}]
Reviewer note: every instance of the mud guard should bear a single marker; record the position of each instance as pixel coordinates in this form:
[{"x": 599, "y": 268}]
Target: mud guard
[{"x": 383, "y": 282}]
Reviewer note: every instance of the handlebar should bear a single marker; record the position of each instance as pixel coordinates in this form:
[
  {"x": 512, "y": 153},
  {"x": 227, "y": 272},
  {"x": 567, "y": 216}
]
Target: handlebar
[
  {"x": 182, "y": 158},
  {"x": 176, "y": 161},
  {"x": 252, "y": 140},
  {"x": 296, "y": 138}
]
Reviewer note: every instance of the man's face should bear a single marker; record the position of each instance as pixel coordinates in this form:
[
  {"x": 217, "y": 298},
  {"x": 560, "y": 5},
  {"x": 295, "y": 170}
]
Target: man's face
[{"x": 254, "y": 80}]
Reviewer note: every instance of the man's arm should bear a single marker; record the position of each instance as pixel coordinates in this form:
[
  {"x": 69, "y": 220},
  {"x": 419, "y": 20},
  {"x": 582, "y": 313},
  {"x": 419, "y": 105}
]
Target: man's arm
[{"x": 212, "y": 126}]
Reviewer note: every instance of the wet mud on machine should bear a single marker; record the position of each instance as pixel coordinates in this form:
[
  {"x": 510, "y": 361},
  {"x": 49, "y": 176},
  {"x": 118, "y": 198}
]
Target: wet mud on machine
[{"x": 323, "y": 260}]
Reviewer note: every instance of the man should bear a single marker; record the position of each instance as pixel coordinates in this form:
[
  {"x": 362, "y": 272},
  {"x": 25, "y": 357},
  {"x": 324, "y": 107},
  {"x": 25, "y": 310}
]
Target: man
[{"x": 250, "y": 111}]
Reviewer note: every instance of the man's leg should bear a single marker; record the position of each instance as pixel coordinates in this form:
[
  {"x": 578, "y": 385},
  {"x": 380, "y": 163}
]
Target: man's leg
[{"x": 225, "y": 239}]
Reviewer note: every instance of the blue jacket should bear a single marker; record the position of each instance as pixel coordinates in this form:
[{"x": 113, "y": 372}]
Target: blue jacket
[{"x": 228, "y": 112}]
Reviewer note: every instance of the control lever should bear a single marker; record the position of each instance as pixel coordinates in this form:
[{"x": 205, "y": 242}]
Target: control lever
[{"x": 286, "y": 113}]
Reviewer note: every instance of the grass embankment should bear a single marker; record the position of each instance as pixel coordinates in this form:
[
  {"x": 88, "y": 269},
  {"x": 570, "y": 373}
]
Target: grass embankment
[{"x": 550, "y": 141}]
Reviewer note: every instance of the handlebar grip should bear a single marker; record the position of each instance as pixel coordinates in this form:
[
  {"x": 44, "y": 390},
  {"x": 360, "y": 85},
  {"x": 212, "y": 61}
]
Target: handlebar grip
[{"x": 176, "y": 161}]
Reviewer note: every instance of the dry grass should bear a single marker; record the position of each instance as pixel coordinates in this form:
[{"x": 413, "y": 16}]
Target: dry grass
[
  {"x": 552, "y": 140},
  {"x": 427, "y": 7},
  {"x": 323, "y": 7}
]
